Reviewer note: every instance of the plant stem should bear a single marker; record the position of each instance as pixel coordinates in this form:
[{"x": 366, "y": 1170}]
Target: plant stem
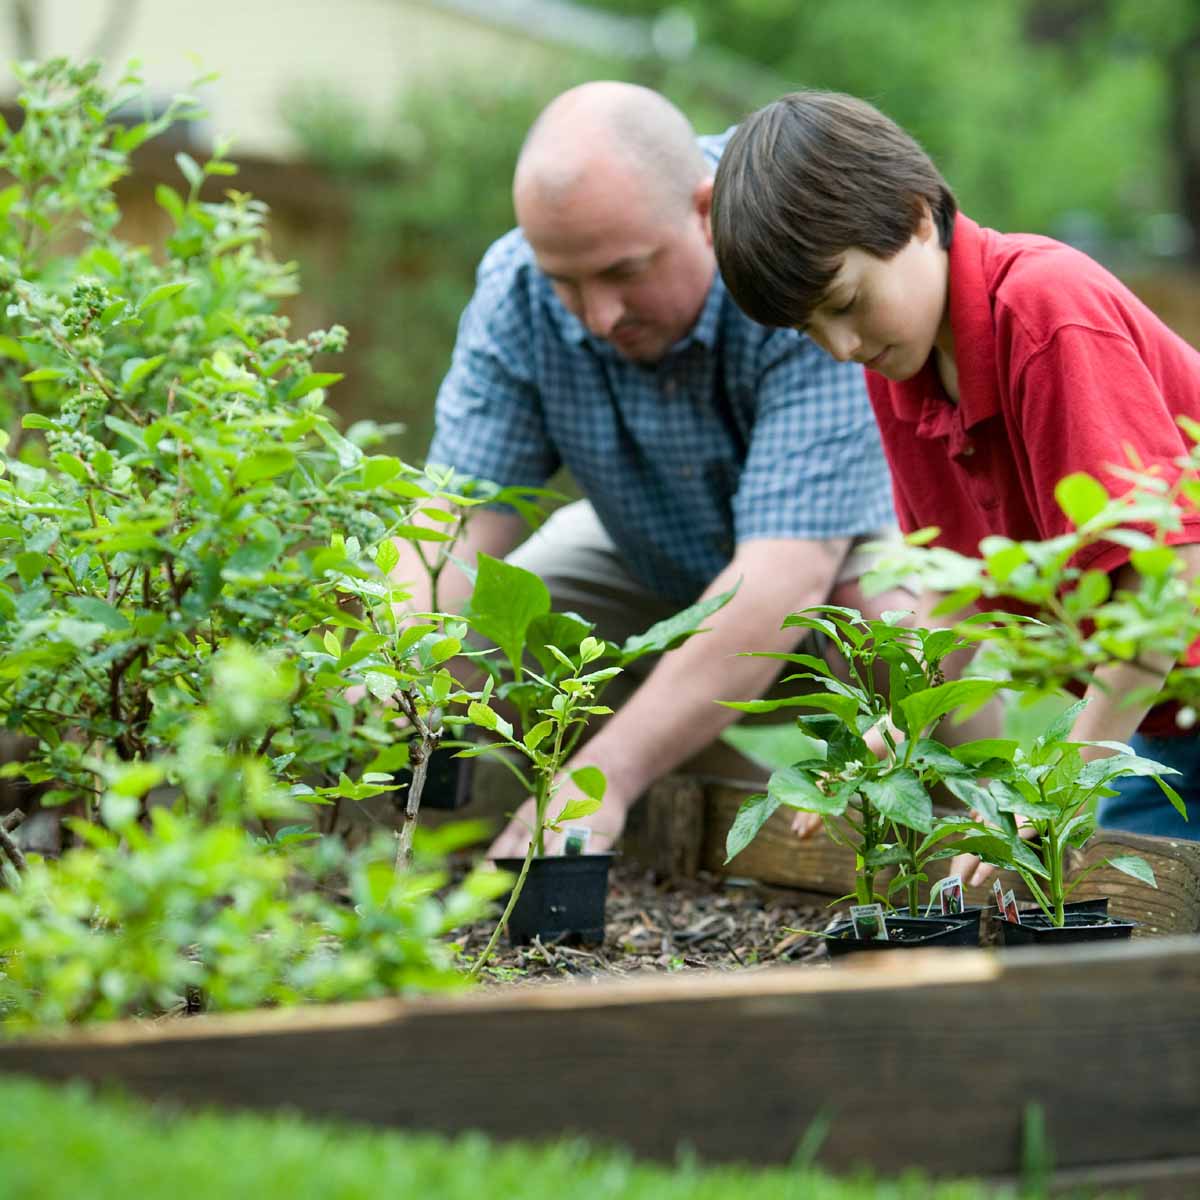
[
  {"x": 479, "y": 963},
  {"x": 1056, "y": 874},
  {"x": 422, "y": 748}
]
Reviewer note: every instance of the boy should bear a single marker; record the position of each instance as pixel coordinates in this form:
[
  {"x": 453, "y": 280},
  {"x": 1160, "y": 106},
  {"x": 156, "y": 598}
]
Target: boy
[{"x": 996, "y": 364}]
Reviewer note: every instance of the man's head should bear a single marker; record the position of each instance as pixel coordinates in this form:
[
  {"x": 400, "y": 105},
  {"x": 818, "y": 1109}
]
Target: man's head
[
  {"x": 828, "y": 217},
  {"x": 612, "y": 194}
]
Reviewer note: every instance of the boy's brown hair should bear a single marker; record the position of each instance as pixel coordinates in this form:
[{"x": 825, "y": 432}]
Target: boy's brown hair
[{"x": 806, "y": 179}]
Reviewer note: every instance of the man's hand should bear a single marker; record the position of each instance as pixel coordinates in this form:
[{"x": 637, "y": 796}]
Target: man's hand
[{"x": 606, "y": 824}]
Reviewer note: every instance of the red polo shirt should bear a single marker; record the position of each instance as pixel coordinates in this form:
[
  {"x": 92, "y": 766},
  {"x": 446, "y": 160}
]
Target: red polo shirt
[{"x": 1060, "y": 369}]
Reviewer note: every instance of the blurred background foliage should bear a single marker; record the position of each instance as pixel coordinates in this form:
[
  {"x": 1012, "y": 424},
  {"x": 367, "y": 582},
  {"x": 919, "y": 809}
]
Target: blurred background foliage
[{"x": 1076, "y": 118}]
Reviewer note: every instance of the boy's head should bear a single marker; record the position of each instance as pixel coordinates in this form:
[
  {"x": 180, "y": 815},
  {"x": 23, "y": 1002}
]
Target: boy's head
[{"x": 818, "y": 193}]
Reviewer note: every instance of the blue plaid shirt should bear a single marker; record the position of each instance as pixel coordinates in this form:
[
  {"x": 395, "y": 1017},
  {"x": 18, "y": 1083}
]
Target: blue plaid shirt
[{"x": 739, "y": 432}]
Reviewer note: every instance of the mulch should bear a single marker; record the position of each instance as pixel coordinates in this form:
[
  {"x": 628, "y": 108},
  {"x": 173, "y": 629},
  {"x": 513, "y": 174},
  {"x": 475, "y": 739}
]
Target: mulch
[{"x": 657, "y": 926}]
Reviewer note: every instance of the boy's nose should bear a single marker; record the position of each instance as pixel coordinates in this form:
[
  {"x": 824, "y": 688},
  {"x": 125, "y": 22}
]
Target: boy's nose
[{"x": 843, "y": 344}]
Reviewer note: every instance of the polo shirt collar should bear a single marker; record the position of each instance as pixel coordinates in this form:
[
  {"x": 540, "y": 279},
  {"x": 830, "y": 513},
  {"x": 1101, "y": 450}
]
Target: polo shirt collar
[{"x": 920, "y": 400}]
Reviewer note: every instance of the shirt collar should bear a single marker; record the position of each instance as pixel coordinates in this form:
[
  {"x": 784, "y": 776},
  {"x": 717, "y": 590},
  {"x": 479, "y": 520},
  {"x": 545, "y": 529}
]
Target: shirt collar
[{"x": 920, "y": 399}]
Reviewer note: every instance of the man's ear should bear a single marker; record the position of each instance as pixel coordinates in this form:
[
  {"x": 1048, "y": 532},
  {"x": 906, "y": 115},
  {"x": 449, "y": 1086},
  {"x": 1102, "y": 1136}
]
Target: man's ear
[{"x": 702, "y": 201}]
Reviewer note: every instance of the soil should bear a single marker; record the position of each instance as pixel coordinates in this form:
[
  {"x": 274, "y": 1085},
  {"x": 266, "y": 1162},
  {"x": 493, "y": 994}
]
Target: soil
[{"x": 666, "y": 926}]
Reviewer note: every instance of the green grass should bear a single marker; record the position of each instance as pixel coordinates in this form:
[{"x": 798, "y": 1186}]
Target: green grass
[{"x": 69, "y": 1143}]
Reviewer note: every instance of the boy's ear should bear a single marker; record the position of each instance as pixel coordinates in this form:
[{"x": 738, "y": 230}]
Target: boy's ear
[
  {"x": 926, "y": 225},
  {"x": 702, "y": 202}
]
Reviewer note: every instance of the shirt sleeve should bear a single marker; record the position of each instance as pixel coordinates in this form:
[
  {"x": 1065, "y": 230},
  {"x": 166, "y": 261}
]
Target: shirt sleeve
[
  {"x": 1087, "y": 402},
  {"x": 489, "y": 420},
  {"x": 815, "y": 467}
]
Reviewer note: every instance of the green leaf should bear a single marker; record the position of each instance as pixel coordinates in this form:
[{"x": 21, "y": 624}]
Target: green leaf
[
  {"x": 386, "y": 556},
  {"x": 332, "y": 645},
  {"x": 168, "y": 198},
  {"x": 1081, "y": 497},
  {"x": 11, "y": 348},
  {"x": 190, "y": 168},
  {"x": 135, "y": 370},
  {"x": 43, "y": 375},
  {"x": 590, "y": 781},
  {"x": 264, "y": 464},
  {"x": 163, "y": 292},
  {"x": 92, "y": 609},
  {"x": 310, "y": 383},
  {"x": 574, "y": 809},
  {"x": 555, "y": 631},
  {"x": 984, "y": 749},
  {"x": 965, "y": 696},
  {"x": 1135, "y": 866},
  {"x": 901, "y": 797},
  {"x": 666, "y": 635},
  {"x": 37, "y": 421},
  {"x": 538, "y": 734},
  {"x": 797, "y": 788},
  {"x": 487, "y": 718},
  {"x": 1154, "y": 564},
  {"x": 753, "y": 814},
  {"x": 505, "y": 600}
]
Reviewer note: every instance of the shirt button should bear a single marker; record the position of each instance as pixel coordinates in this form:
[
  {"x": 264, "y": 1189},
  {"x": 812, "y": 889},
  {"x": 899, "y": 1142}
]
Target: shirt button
[
  {"x": 967, "y": 450},
  {"x": 670, "y": 387},
  {"x": 687, "y": 472}
]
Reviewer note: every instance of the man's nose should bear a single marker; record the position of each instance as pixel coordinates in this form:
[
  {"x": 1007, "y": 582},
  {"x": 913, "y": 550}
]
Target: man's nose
[{"x": 602, "y": 309}]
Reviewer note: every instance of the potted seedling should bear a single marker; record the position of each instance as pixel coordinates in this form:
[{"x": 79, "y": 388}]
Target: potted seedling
[
  {"x": 1052, "y": 788},
  {"x": 872, "y": 783},
  {"x": 537, "y": 715}
]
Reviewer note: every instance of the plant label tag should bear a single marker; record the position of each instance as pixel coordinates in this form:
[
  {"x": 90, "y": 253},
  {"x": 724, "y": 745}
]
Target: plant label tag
[
  {"x": 1011, "y": 911},
  {"x": 576, "y": 840},
  {"x": 869, "y": 923},
  {"x": 951, "y": 896},
  {"x": 998, "y": 892}
]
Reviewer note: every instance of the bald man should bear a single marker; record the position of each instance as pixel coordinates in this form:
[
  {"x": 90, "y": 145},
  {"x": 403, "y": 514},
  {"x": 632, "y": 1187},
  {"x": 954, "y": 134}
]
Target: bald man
[{"x": 709, "y": 449}]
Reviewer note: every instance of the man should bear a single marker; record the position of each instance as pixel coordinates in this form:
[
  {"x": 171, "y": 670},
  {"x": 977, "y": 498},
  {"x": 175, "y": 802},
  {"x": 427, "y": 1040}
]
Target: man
[{"x": 709, "y": 449}]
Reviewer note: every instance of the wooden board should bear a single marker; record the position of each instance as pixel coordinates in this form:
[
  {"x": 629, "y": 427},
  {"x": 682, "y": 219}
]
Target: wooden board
[
  {"x": 814, "y": 864},
  {"x": 1171, "y": 907},
  {"x": 915, "y": 1059}
]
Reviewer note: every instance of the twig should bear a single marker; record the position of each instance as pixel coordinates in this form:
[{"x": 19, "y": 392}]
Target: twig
[{"x": 11, "y": 848}]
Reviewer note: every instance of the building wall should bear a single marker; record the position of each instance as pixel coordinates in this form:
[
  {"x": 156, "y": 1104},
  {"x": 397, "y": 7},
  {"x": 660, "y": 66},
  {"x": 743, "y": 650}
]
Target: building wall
[{"x": 367, "y": 49}]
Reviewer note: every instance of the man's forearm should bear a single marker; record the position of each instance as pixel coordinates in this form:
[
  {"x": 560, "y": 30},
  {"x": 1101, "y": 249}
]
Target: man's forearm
[{"x": 675, "y": 714}]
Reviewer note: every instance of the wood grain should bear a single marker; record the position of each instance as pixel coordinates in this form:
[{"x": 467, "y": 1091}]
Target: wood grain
[
  {"x": 916, "y": 1059},
  {"x": 1172, "y": 907}
]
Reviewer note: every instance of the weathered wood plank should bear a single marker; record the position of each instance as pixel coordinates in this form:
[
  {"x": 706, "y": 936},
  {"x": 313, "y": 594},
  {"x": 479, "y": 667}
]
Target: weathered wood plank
[
  {"x": 925, "y": 1060},
  {"x": 674, "y": 826},
  {"x": 815, "y": 864},
  {"x": 776, "y": 856},
  {"x": 1172, "y": 907}
]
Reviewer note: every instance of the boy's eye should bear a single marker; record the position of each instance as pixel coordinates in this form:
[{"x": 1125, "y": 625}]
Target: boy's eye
[{"x": 845, "y": 308}]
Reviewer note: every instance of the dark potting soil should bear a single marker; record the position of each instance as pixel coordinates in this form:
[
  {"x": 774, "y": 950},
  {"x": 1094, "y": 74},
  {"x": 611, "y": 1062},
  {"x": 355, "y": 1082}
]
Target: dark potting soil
[{"x": 660, "y": 927}]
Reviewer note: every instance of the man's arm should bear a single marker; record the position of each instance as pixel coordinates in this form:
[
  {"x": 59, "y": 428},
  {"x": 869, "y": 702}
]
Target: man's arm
[{"x": 674, "y": 713}]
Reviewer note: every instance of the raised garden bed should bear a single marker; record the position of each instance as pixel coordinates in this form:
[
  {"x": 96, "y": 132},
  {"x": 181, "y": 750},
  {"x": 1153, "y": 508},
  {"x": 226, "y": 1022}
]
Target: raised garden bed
[{"x": 738, "y": 1066}]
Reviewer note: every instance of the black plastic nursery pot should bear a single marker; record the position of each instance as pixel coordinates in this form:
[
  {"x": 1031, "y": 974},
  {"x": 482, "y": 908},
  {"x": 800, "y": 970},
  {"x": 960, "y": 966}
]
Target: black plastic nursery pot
[
  {"x": 447, "y": 782},
  {"x": 905, "y": 933},
  {"x": 563, "y": 898},
  {"x": 1078, "y": 925}
]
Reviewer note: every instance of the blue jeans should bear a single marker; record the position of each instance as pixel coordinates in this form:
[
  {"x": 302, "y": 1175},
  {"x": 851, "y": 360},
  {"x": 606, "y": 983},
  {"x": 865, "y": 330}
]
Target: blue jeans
[{"x": 1140, "y": 806}]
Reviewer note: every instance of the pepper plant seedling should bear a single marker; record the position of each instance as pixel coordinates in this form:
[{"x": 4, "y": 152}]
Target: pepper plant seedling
[
  {"x": 876, "y": 799},
  {"x": 1051, "y": 787}
]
